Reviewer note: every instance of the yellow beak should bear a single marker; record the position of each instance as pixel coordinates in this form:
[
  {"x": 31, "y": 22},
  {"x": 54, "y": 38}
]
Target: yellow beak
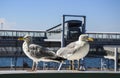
[
  {"x": 21, "y": 38},
  {"x": 90, "y": 39}
]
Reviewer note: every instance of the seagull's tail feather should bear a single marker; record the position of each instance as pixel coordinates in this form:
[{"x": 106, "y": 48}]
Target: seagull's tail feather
[{"x": 58, "y": 58}]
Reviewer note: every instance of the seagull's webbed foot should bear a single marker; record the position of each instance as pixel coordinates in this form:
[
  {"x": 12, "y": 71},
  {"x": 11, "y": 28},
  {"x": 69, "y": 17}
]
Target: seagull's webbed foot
[
  {"x": 33, "y": 67},
  {"x": 31, "y": 70}
]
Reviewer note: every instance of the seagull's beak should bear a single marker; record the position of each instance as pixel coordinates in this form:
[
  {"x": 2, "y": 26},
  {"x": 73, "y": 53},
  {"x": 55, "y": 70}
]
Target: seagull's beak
[
  {"x": 90, "y": 39},
  {"x": 21, "y": 38}
]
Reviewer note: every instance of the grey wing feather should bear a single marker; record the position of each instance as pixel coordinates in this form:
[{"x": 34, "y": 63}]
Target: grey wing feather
[
  {"x": 39, "y": 51},
  {"x": 69, "y": 50},
  {"x": 71, "y": 45},
  {"x": 65, "y": 52}
]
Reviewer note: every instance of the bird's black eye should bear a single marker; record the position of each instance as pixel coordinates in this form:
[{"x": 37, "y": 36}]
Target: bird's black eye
[
  {"x": 27, "y": 37},
  {"x": 85, "y": 37}
]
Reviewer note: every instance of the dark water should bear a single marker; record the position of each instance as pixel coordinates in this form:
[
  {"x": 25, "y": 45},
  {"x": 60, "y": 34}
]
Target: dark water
[{"x": 19, "y": 61}]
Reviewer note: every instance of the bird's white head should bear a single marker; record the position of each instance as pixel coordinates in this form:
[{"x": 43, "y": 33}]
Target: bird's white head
[
  {"x": 84, "y": 37},
  {"x": 26, "y": 38}
]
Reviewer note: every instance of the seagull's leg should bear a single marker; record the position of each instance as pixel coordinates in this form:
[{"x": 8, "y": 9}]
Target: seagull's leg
[
  {"x": 36, "y": 66},
  {"x": 72, "y": 64},
  {"x": 78, "y": 64},
  {"x": 33, "y": 66},
  {"x": 60, "y": 66}
]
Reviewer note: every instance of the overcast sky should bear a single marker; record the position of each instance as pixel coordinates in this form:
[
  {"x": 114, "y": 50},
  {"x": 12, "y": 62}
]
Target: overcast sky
[{"x": 102, "y": 15}]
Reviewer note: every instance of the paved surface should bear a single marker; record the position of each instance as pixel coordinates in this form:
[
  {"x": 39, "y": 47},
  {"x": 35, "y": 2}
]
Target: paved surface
[{"x": 51, "y": 71}]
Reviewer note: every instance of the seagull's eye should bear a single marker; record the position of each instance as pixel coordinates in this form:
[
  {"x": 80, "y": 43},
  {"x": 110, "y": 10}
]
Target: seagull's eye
[
  {"x": 27, "y": 37},
  {"x": 84, "y": 37}
]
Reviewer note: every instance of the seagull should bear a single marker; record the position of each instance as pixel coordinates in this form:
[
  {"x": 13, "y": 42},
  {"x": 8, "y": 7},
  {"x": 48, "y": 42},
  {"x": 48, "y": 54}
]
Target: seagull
[
  {"x": 75, "y": 50},
  {"x": 38, "y": 53}
]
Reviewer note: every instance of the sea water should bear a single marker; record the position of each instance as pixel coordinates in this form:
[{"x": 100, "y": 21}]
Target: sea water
[{"x": 20, "y": 61}]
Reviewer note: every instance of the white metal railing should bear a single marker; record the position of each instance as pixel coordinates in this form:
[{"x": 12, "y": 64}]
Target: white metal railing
[
  {"x": 22, "y": 33},
  {"x": 104, "y": 35}
]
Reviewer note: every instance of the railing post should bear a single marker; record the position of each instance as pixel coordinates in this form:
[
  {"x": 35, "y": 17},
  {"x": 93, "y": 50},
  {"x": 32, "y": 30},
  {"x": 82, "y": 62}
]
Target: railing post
[
  {"x": 116, "y": 59},
  {"x": 63, "y": 31}
]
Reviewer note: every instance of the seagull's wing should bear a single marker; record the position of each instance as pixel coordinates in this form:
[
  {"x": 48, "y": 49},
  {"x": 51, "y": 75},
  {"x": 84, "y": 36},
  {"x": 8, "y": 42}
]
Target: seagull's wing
[
  {"x": 70, "y": 50},
  {"x": 66, "y": 51},
  {"x": 71, "y": 45},
  {"x": 39, "y": 51}
]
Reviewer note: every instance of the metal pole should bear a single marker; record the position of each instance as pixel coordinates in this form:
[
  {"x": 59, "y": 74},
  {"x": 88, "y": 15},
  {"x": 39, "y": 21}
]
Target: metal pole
[
  {"x": 63, "y": 28},
  {"x": 84, "y": 25},
  {"x": 116, "y": 59}
]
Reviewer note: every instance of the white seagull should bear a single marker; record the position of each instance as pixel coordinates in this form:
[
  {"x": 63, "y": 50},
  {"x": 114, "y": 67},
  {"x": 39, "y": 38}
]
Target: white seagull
[
  {"x": 75, "y": 50},
  {"x": 38, "y": 53}
]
